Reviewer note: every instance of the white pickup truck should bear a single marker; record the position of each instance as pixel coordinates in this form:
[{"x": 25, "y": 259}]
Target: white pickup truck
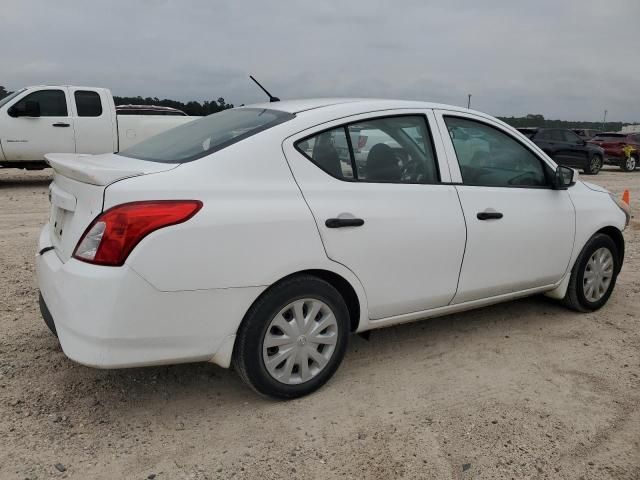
[{"x": 65, "y": 119}]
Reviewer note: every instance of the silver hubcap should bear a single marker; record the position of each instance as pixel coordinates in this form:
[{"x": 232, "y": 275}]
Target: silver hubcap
[
  {"x": 300, "y": 341},
  {"x": 595, "y": 164},
  {"x": 631, "y": 163},
  {"x": 598, "y": 274}
]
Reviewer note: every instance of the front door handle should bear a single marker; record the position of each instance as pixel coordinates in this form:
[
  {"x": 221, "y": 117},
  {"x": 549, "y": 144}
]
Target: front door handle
[
  {"x": 61, "y": 124},
  {"x": 489, "y": 215},
  {"x": 343, "y": 222}
]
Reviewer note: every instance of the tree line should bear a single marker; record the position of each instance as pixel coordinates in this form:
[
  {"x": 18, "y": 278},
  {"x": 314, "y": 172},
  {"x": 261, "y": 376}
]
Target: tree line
[
  {"x": 190, "y": 108},
  {"x": 212, "y": 106},
  {"x": 537, "y": 120}
]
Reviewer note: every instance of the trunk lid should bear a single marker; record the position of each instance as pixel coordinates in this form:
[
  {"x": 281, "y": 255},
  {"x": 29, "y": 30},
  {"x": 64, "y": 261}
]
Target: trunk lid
[{"x": 77, "y": 192}]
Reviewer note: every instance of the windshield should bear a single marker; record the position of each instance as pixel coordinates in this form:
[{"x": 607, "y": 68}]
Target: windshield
[
  {"x": 201, "y": 137},
  {"x": 4, "y": 101}
]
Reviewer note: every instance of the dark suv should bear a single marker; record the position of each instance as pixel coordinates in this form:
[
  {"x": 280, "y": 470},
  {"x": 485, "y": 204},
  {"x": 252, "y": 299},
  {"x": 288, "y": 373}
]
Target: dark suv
[{"x": 567, "y": 148}]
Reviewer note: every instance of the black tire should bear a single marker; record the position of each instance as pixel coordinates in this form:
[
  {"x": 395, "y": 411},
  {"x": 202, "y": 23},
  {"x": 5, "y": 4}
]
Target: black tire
[
  {"x": 629, "y": 164},
  {"x": 248, "y": 352},
  {"x": 575, "y": 297},
  {"x": 595, "y": 165}
]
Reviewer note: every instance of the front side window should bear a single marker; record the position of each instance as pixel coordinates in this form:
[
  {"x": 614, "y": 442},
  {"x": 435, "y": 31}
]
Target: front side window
[
  {"x": 202, "y": 137},
  {"x": 490, "y": 157},
  {"x": 53, "y": 103},
  {"x": 381, "y": 150},
  {"x": 88, "y": 103}
]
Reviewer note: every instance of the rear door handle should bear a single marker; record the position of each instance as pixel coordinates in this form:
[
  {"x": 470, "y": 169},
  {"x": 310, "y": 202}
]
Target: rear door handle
[
  {"x": 489, "y": 215},
  {"x": 343, "y": 222},
  {"x": 61, "y": 124}
]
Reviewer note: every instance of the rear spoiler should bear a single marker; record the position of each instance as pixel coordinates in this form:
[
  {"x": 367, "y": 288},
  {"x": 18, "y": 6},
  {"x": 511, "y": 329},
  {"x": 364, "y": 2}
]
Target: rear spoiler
[{"x": 101, "y": 169}]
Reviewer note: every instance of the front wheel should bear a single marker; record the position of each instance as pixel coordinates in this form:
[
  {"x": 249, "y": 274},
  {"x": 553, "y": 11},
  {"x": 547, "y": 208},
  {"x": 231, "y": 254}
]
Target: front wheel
[
  {"x": 293, "y": 338},
  {"x": 595, "y": 165},
  {"x": 594, "y": 275},
  {"x": 629, "y": 164}
]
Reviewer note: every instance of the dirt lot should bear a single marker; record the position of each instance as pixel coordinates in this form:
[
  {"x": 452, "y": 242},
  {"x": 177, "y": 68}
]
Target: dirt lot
[{"x": 519, "y": 390}]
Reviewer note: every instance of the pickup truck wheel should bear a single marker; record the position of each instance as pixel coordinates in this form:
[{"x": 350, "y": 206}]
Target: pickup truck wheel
[
  {"x": 595, "y": 165},
  {"x": 293, "y": 338},
  {"x": 629, "y": 164},
  {"x": 594, "y": 275}
]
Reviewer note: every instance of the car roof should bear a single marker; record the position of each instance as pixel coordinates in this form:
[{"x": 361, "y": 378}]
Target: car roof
[{"x": 302, "y": 105}]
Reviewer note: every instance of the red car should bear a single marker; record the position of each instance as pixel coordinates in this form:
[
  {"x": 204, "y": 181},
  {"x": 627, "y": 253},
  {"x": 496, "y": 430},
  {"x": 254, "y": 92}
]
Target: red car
[{"x": 615, "y": 145}]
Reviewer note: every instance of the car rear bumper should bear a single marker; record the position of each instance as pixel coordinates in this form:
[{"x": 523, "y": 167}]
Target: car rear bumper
[{"x": 110, "y": 317}]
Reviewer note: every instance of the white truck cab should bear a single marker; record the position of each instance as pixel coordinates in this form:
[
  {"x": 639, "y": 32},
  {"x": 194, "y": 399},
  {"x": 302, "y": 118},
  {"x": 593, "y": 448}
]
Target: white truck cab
[{"x": 67, "y": 119}]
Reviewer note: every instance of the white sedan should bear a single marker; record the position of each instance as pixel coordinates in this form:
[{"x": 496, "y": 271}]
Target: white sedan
[{"x": 248, "y": 238}]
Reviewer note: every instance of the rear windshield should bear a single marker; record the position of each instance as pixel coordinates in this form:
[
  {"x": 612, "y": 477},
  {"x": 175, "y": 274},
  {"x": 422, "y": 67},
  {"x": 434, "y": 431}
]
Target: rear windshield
[
  {"x": 610, "y": 136},
  {"x": 201, "y": 137}
]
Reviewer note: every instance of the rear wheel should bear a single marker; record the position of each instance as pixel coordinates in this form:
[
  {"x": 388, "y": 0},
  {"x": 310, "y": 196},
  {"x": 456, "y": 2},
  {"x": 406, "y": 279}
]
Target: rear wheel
[
  {"x": 594, "y": 275},
  {"x": 629, "y": 164},
  {"x": 595, "y": 165},
  {"x": 293, "y": 338}
]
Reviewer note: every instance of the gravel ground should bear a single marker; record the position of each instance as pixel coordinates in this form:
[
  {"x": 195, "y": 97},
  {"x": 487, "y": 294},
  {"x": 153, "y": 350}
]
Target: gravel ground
[{"x": 520, "y": 390}]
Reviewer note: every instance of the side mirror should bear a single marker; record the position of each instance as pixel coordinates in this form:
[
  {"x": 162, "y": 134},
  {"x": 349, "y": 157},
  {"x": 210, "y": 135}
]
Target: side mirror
[
  {"x": 563, "y": 178},
  {"x": 31, "y": 109}
]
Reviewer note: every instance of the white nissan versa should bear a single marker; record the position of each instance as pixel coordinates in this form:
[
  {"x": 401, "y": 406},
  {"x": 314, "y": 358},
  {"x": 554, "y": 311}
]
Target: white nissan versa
[{"x": 247, "y": 237}]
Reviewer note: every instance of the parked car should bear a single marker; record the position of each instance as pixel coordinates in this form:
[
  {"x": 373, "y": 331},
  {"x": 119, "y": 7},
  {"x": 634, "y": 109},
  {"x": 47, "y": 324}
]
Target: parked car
[
  {"x": 586, "y": 133},
  {"x": 65, "y": 119},
  {"x": 148, "y": 110},
  {"x": 244, "y": 238},
  {"x": 615, "y": 146},
  {"x": 567, "y": 148}
]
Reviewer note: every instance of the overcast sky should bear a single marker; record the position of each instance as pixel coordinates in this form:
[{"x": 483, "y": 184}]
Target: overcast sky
[{"x": 567, "y": 59}]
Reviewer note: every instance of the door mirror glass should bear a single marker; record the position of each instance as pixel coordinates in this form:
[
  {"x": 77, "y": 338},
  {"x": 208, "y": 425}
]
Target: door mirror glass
[{"x": 563, "y": 178}]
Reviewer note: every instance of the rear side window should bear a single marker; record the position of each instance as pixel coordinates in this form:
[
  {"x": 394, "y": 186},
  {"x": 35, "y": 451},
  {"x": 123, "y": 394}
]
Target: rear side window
[
  {"x": 489, "y": 157},
  {"x": 381, "y": 150},
  {"x": 330, "y": 151},
  {"x": 202, "y": 137},
  {"x": 53, "y": 103},
  {"x": 88, "y": 103}
]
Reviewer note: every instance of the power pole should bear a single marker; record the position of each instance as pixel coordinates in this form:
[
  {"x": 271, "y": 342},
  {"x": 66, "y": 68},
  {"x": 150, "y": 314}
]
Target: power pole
[
  {"x": 604, "y": 119},
  {"x": 469, "y": 101}
]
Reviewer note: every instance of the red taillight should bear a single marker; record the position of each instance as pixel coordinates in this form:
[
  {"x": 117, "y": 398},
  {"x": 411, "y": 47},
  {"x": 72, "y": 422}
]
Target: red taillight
[
  {"x": 362, "y": 141},
  {"x": 111, "y": 237}
]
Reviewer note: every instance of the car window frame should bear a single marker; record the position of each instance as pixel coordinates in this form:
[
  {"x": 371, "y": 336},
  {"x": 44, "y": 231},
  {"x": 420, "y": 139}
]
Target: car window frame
[
  {"x": 28, "y": 94},
  {"x": 546, "y": 166},
  {"x": 345, "y": 127}
]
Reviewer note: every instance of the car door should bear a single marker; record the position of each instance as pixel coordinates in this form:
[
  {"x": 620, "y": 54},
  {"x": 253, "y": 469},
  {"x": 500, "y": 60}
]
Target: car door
[
  {"x": 519, "y": 230},
  {"x": 95, "y": 128},
  {"x": 576, "y": 149},
  {"x": 29, "y": 138},
  {"x": 561, "y": 151},
  {"x": 393, "y": 218}
]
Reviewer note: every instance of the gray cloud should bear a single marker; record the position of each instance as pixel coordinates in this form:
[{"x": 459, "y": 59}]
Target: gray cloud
[{"x": 569, "y": 59}]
